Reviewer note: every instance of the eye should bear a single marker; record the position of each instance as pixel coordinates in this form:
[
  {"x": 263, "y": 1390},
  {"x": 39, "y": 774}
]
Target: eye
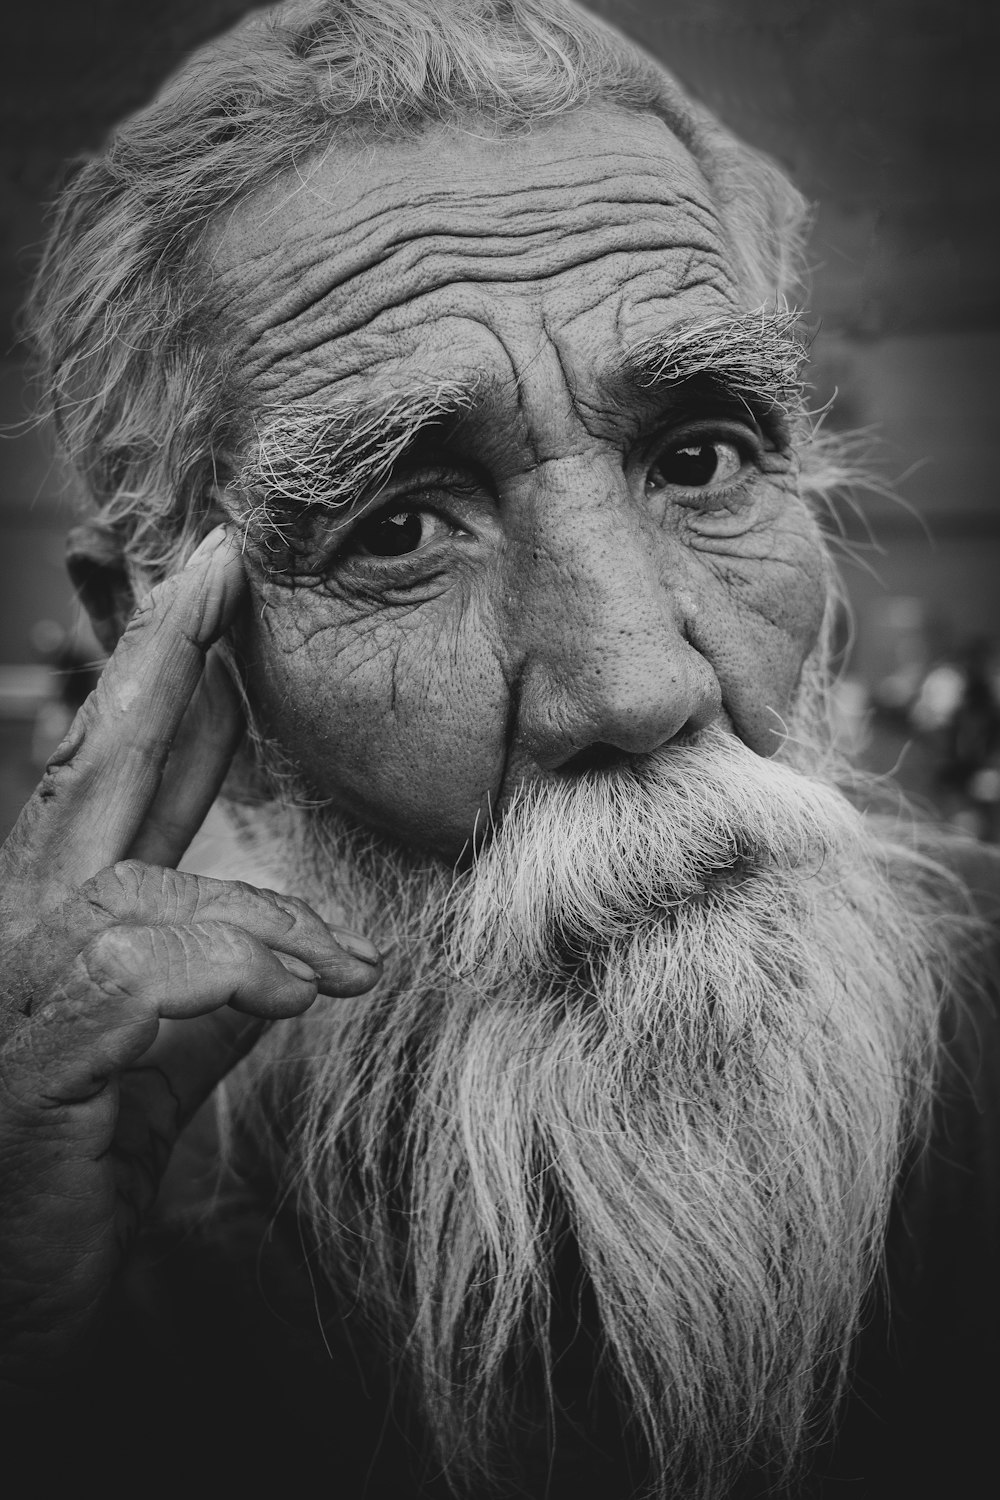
[
  {"x": 696, "y": 465},
  {"x": 394, "y": 533}
]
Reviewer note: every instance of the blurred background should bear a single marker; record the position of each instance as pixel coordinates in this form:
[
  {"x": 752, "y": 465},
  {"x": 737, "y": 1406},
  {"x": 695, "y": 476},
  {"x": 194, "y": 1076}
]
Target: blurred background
[{"x": 886, "y": 114}]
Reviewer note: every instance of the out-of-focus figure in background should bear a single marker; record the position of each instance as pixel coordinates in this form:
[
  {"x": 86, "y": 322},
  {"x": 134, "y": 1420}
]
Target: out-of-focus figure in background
[{"x": 957, "y": 711}]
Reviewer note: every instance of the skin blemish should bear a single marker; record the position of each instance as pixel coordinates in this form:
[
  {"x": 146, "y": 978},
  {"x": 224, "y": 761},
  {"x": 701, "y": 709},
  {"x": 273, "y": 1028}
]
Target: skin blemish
[{"x": 126, "y": 693}]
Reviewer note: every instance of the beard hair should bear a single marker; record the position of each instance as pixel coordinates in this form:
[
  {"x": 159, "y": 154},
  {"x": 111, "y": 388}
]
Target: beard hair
[{"x": 681, "y": 1016}]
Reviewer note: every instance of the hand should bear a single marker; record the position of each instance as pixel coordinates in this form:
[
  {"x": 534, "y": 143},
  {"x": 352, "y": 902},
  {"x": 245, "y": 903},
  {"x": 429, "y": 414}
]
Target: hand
[{"x": 128, "y": 989}]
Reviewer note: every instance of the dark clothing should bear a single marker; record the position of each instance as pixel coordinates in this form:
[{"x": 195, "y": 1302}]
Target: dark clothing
[{"x": 220, "y": 1381}]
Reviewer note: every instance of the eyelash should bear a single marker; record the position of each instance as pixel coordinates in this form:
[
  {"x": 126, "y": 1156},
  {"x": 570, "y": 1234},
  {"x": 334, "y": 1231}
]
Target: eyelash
[
  {"x": 441, "y": 497},
  {"x": 749, "y": 441}
]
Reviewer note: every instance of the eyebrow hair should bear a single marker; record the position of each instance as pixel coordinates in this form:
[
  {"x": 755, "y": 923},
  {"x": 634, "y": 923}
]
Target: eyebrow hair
[
  {"x": 311, "y": 459},
  {"x": 756, "y": 357}
]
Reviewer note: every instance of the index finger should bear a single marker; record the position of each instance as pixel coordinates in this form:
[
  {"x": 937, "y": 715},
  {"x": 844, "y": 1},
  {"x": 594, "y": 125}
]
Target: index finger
[{"x": 103, "y": 778}]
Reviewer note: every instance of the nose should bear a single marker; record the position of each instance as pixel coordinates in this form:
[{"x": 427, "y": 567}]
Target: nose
[{"x": 606, "y": 666}]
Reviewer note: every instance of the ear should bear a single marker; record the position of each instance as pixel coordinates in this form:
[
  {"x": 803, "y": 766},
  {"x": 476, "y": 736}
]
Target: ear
[{"x": 97, "y": 568}]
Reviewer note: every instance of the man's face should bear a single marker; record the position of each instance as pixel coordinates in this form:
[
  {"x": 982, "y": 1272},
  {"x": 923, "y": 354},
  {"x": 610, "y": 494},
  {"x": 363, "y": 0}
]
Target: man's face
[{"x": 578, "y": 553}]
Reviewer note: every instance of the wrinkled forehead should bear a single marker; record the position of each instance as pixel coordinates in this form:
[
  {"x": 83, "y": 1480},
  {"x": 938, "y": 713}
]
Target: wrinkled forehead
[{"x": 453, "y": 254}]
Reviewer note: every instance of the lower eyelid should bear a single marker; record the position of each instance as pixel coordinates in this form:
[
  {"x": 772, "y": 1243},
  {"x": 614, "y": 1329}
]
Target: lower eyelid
[{"x": 738, "y": 491}]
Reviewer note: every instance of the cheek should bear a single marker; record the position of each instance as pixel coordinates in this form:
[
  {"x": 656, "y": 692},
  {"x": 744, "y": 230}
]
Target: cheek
[
  {"x": 756, "y": 622},
  {"x": 400, "y": 723}
]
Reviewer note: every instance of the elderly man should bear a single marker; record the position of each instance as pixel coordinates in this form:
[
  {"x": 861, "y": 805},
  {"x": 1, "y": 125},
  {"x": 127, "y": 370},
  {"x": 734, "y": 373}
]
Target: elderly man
[{"x": 427, "y": 368}]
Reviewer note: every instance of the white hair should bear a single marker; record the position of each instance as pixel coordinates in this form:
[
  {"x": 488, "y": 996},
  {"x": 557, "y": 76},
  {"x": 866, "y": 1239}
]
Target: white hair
[
  {"x": 132, "y": 358},
  {"x": 680, "y": 1017}
]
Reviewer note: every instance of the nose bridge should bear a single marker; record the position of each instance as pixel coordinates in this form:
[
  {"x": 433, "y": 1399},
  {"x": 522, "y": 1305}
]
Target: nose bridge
[
  {"x": 600, "y": 630},
  {"x": 586, "y": 583}
]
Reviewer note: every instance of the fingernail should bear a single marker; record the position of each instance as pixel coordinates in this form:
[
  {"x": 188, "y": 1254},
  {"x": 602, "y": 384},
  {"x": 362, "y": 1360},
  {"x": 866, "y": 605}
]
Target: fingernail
[
  {"x": 297, "y": 967},
  {"x": 207, "y": 545},
  {"x": 358, "y": 947}
]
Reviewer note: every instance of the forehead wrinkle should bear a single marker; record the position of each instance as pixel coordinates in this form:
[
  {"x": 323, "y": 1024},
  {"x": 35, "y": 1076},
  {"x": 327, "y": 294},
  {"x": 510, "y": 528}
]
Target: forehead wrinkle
[
  {"x": 424, "y": 269},
  {"x": 365, "y": 231},
  {"x": 392, "y": 213},
  {"x": 390, "y": 259}
]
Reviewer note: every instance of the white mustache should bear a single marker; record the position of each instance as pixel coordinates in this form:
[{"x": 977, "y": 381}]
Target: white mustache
[
  {"x": 589, "y": 859},
  {"x": 694, "y": 997}
]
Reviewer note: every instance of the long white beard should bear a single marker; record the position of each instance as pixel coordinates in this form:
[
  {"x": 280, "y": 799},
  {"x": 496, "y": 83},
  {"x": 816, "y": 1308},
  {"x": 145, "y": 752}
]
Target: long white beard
[{"x": 682, "y": 1013}]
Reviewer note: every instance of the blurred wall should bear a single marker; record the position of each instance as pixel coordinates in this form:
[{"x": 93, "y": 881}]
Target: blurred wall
[{"x": 884, "y": 111}]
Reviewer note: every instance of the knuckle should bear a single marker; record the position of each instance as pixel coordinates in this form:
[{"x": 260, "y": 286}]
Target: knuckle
[
  {"x": 158, "y": 610},
  {"x": 288, "y": 910},
  {"x": 70, "y": 744},
  {"x": 143, "y": 615},
  {"x": 115, "y": 887},
  {"x": 295, "y": 911},
  {"x": 63, "y": 778},
  {"x": 293, "y": 905},
  {"x": 128, "y": 887},
  {"x": 110, "y": 961}
]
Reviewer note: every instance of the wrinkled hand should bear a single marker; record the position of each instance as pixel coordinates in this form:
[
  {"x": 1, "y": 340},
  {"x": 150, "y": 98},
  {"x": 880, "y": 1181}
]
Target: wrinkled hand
[{"x": 103, "y": 941}]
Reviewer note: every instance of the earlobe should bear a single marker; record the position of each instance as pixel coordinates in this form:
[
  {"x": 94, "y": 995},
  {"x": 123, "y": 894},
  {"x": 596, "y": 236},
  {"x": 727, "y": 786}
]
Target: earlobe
[{"x": 97, "y": 569}]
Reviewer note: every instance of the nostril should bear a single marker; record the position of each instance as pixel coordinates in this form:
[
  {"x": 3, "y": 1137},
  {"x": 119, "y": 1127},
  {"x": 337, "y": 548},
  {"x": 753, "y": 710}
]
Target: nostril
[
  {"x": 601, "y": 756},
  {"x": 594, "y": 758}
]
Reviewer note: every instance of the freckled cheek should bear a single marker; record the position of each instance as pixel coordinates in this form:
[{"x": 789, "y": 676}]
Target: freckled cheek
[{"x": 402, "y": 723}]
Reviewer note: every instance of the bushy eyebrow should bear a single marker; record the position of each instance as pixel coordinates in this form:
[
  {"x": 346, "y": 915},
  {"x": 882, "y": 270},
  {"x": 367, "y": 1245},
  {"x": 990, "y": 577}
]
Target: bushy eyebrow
[
  {"x": 755, "y": 358},
  {"x": 310, "y": 459},
  {"x": 311, "y": 463}
]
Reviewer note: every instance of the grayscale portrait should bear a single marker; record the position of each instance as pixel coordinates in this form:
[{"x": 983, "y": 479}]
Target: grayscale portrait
[{"x": 499, "y": 895}]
